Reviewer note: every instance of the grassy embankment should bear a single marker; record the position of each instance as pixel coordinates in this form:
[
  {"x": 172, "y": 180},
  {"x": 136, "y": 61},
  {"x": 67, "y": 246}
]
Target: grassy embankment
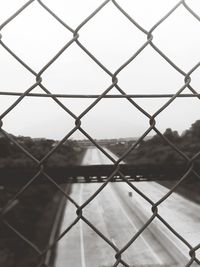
[{"x": 35, "y": 210}]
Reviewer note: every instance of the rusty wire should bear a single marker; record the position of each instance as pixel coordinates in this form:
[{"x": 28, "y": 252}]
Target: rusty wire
[{"x": 77, "y": 123}]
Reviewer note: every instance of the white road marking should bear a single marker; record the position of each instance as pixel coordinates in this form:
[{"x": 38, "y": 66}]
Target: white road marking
[
  {"x": 133, "y": 225},
  {"x": 83, "y": 263},
  {"x": 102, "y": 159},
  {"x": 67, "y": 253}
]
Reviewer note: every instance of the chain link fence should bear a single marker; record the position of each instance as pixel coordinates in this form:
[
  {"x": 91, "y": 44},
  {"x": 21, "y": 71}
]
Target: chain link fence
[{"x": 75, "y": 33}]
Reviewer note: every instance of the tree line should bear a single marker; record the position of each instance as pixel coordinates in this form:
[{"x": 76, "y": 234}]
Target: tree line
[
  {"x": 12, "y": 156},
  {"x": 157, "y": 151}
]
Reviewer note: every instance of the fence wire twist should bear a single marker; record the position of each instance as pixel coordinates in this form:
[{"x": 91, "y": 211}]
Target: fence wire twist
[{"x": 77, "y": 119}]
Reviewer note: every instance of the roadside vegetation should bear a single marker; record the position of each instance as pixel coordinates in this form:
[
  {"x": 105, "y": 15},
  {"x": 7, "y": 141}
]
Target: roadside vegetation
[
  {"x": 12, "y": 156},
  {"x": 35, "y": 209},
  {"x": 155, "y": 153}
]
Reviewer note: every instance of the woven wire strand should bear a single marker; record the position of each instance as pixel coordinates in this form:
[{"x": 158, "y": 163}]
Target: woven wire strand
[{"x": 78, "y": 126}]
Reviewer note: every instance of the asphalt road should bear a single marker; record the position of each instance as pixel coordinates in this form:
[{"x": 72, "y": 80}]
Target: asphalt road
[{"x": 118, "y": 217}]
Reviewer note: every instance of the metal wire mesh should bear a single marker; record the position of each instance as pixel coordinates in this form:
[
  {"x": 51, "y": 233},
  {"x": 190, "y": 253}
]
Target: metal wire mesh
[{"x": 77, "y": 120}]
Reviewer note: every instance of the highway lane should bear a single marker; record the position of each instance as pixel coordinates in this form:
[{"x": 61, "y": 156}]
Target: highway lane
[
  {"x": 112, "y": 212},
  {"x": 83, "y": 247},
  {"x": 94, "y": 156},
  {"x": 182, "y": 215}
]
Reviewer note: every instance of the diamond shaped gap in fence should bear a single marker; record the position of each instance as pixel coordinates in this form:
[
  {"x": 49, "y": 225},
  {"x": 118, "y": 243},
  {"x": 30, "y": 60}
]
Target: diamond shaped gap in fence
[
  {"x": 74, "y": 72},
  {"x": 126, "y": 120},
  {"x": 149, "y": 73},
  {"x": 101, "y": 34},
  {"x": 19, "y": 35},
  {"x": 181, "y": 50}
]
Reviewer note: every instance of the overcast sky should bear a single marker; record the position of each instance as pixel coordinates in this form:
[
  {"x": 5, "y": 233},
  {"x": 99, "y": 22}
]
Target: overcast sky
[{"x": 35, "y": 36}]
